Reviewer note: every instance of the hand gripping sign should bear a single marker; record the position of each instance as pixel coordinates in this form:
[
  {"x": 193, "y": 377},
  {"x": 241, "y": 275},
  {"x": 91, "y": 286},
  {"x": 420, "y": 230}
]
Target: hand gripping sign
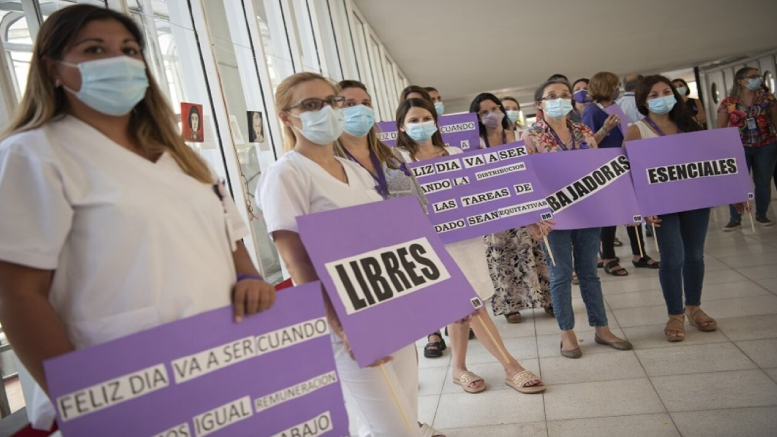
[
  {"x": 588, "y": 188},
  {"x": 689, "y": 171},
  {"x": 271, "y": 375},
  {"x": 482, "y": 192},
  {"x": 457, "y": 130},
  {"x": 383, "y": 267}
]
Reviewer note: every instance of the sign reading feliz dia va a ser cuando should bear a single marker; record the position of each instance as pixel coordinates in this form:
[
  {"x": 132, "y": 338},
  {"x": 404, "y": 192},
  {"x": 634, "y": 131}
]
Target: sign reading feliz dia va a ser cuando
[
  {"x": 481, "y": 192},
  {"x": 272, "y": 375}
]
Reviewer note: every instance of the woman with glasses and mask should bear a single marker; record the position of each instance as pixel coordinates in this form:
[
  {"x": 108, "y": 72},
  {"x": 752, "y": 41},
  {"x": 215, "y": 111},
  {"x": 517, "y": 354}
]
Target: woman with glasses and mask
[
  {"x": 750, "y": 108},
  {"x": 556, "y": 133},
  {"x": 311, "y": 178},
  {"x": 110, "y": 224},
  {"x": 516, "y": 261},
  {"x": 680, "y": 235},
  {"x": 418, "y": 139}
]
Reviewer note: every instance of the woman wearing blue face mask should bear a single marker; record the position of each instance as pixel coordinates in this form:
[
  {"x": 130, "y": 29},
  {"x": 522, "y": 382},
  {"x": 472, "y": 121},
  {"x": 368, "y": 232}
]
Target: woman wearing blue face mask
[
  {"x": 695, "y": 106},
  {"x": 680, "y": 235},
  {"x": 109, "y": 222},
  {"x": 750, "y": 108},
  {"x": 556, "y": 133},
  {"x": 514, "y": 115},
  {"x": 439, "y": 106},
  {"x": 311, "y": 178},
  {"x": 418, "y": 139}
]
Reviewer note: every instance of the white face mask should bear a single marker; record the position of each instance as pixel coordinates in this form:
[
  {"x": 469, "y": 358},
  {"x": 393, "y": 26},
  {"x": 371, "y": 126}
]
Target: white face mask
[{"x": 323, "y": 126}]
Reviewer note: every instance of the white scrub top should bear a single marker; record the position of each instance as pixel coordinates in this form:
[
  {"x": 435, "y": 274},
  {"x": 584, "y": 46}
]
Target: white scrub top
[
  {"x": 295, "y": 186},
  {"x": 134, "y": 244}
]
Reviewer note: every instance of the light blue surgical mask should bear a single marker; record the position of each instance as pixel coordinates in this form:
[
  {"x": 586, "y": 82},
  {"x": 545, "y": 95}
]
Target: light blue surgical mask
[
  {"x": 682, "y": 90},
  {"x": 754, "y": 83},
  {"x": 558, "y": 108},
  {"x": 421, "y": 132},
  {"x": 514, "y": 116},
  {"x": 113, "y": 86},
  {"x": 662, "y": 105},
  {"x": 321, "y": 127},
  {"x": 440, "y": 108},
  {"x": 359, "y": 120}
]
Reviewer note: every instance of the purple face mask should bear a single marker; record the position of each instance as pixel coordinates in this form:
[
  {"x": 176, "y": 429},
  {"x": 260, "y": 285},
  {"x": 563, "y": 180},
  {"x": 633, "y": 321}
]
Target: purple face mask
[
  {"x": 617, "y": 94},
  {"x": 492, "y": 119},
  {"x": 581, "y": 96}
]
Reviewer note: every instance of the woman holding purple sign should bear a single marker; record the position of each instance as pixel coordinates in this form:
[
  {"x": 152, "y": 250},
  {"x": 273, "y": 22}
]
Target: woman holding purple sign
[
  {"x": 516, "y": 261},
  {"x": 418, "y": 139},
  {"x": 603, "y": 88},
  {"x": 110, "y": 224},
  {"x": 680, "y": 235},
  {"x": 556, "y": 133},
  {"x": 311, "y": 178}
]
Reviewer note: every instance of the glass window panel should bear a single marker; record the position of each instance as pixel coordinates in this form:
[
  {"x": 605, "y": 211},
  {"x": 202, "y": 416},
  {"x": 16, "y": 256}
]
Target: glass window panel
[
  {"x": 305, "y": 36},
  {"x": 236, "y": 63},
  {"x": 274, "y": 40}
]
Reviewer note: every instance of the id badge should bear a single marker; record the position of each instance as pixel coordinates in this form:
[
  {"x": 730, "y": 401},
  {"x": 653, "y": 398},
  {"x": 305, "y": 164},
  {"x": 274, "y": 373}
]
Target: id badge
[{"x": 751, "y": 124}]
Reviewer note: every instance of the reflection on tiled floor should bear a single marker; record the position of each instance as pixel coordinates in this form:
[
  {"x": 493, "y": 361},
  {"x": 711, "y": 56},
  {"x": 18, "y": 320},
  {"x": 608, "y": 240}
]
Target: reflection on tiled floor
[{"x": 712, "y": 384}]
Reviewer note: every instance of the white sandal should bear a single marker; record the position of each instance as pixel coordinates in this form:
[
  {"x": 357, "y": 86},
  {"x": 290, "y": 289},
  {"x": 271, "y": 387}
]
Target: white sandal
[{"x": 520, "y": 380}]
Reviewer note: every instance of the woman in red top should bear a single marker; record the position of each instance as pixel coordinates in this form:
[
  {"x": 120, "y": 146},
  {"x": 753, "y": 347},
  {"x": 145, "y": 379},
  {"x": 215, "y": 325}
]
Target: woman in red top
[{"x": 749, "y": 107}]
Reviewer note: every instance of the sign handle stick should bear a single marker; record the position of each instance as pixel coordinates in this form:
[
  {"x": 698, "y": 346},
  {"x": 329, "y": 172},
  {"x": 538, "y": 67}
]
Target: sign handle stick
[
  {"x": 655, "y": 237},
  {"x": 396, "y": 398},
  {"x": 550, "y": 252},
  {"x": 639, "y": 243},
  {"x": 752, "y": 221},
  {"x": 493, "y": 339}
]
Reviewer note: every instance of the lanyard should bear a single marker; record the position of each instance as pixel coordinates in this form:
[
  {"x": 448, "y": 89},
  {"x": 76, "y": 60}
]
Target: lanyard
[
  {"x": 658, "y": 129},
  {"x": 380, "y": 178},
  {"x": 558, "y": 140},
  {"x": 504, "y": 139}
]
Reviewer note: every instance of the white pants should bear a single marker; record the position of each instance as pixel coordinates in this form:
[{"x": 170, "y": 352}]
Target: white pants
[{"x": 367, "y": 394}]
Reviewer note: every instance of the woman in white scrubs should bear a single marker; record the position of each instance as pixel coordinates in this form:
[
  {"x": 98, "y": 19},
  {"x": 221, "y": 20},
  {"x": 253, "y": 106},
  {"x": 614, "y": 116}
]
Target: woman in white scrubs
[
  {"x": 310, "y": 178},
  {"x": 110, "y": 224},
  {"x": 418, "y": 139}
]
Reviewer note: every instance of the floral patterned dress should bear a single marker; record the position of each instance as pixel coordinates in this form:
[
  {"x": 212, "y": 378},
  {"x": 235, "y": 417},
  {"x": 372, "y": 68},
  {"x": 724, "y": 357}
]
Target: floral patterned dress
[{"x": 738, "y": 114}]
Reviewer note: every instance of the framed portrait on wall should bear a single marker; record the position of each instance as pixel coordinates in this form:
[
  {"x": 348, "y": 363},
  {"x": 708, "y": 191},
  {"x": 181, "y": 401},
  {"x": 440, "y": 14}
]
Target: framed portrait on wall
[
  {"x": 192, "y": 122},
  {"x": 255, "y": 127}
]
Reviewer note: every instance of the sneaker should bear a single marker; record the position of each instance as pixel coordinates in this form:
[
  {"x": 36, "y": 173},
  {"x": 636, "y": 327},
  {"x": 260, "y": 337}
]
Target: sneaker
[
  {"x": 733, "y": 225},
  {"x": 763, "y": 221}
]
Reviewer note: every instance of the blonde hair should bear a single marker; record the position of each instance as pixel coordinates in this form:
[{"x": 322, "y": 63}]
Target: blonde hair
[
  {"x": 152, "y": 124},
  {"x": 283, "y": 95},
  {"x": 602, "y": 86},
  {"x": 383, "y": 152}
]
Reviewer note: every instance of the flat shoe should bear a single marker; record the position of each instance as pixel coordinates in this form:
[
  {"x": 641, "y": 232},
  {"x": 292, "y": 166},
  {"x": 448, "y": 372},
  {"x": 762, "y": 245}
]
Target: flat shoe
[
  {"x": 619, "y": 345},
  {"x": 466, "y": 378},
  {"x": 520, "y": 380},
  {"x": 513, "y": 318},
  {"x": 574, "y": 353}
]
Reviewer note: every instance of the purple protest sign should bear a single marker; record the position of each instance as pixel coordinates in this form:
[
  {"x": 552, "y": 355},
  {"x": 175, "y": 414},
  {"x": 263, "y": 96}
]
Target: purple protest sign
[
  {"x": 588, "y": 188},
  {"x": 482, "y": 192},
  {"x": 616, "y": 110},
  {"x": 689, "y": 171},
  {"x": 457, "y": 130},
  {"x": 383, "y": 267},
  {"x": 269, "y": 375}
]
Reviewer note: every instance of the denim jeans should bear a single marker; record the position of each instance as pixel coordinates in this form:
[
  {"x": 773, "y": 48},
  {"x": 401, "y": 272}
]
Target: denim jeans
[
  {"x": 585, "y": 243},
  {"x": 681, "y": 242},
  {"x": 761, "y": 160}
]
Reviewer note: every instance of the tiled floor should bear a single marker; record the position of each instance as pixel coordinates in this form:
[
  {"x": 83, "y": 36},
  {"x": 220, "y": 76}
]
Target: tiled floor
[{"x": 712, "y": 384}]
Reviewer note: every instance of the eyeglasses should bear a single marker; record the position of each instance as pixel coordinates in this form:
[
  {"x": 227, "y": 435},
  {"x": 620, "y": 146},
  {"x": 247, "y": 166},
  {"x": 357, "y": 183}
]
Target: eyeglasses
[
  {"x": 554, "y": 97},
  {"x": 314, "y": 104}
]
